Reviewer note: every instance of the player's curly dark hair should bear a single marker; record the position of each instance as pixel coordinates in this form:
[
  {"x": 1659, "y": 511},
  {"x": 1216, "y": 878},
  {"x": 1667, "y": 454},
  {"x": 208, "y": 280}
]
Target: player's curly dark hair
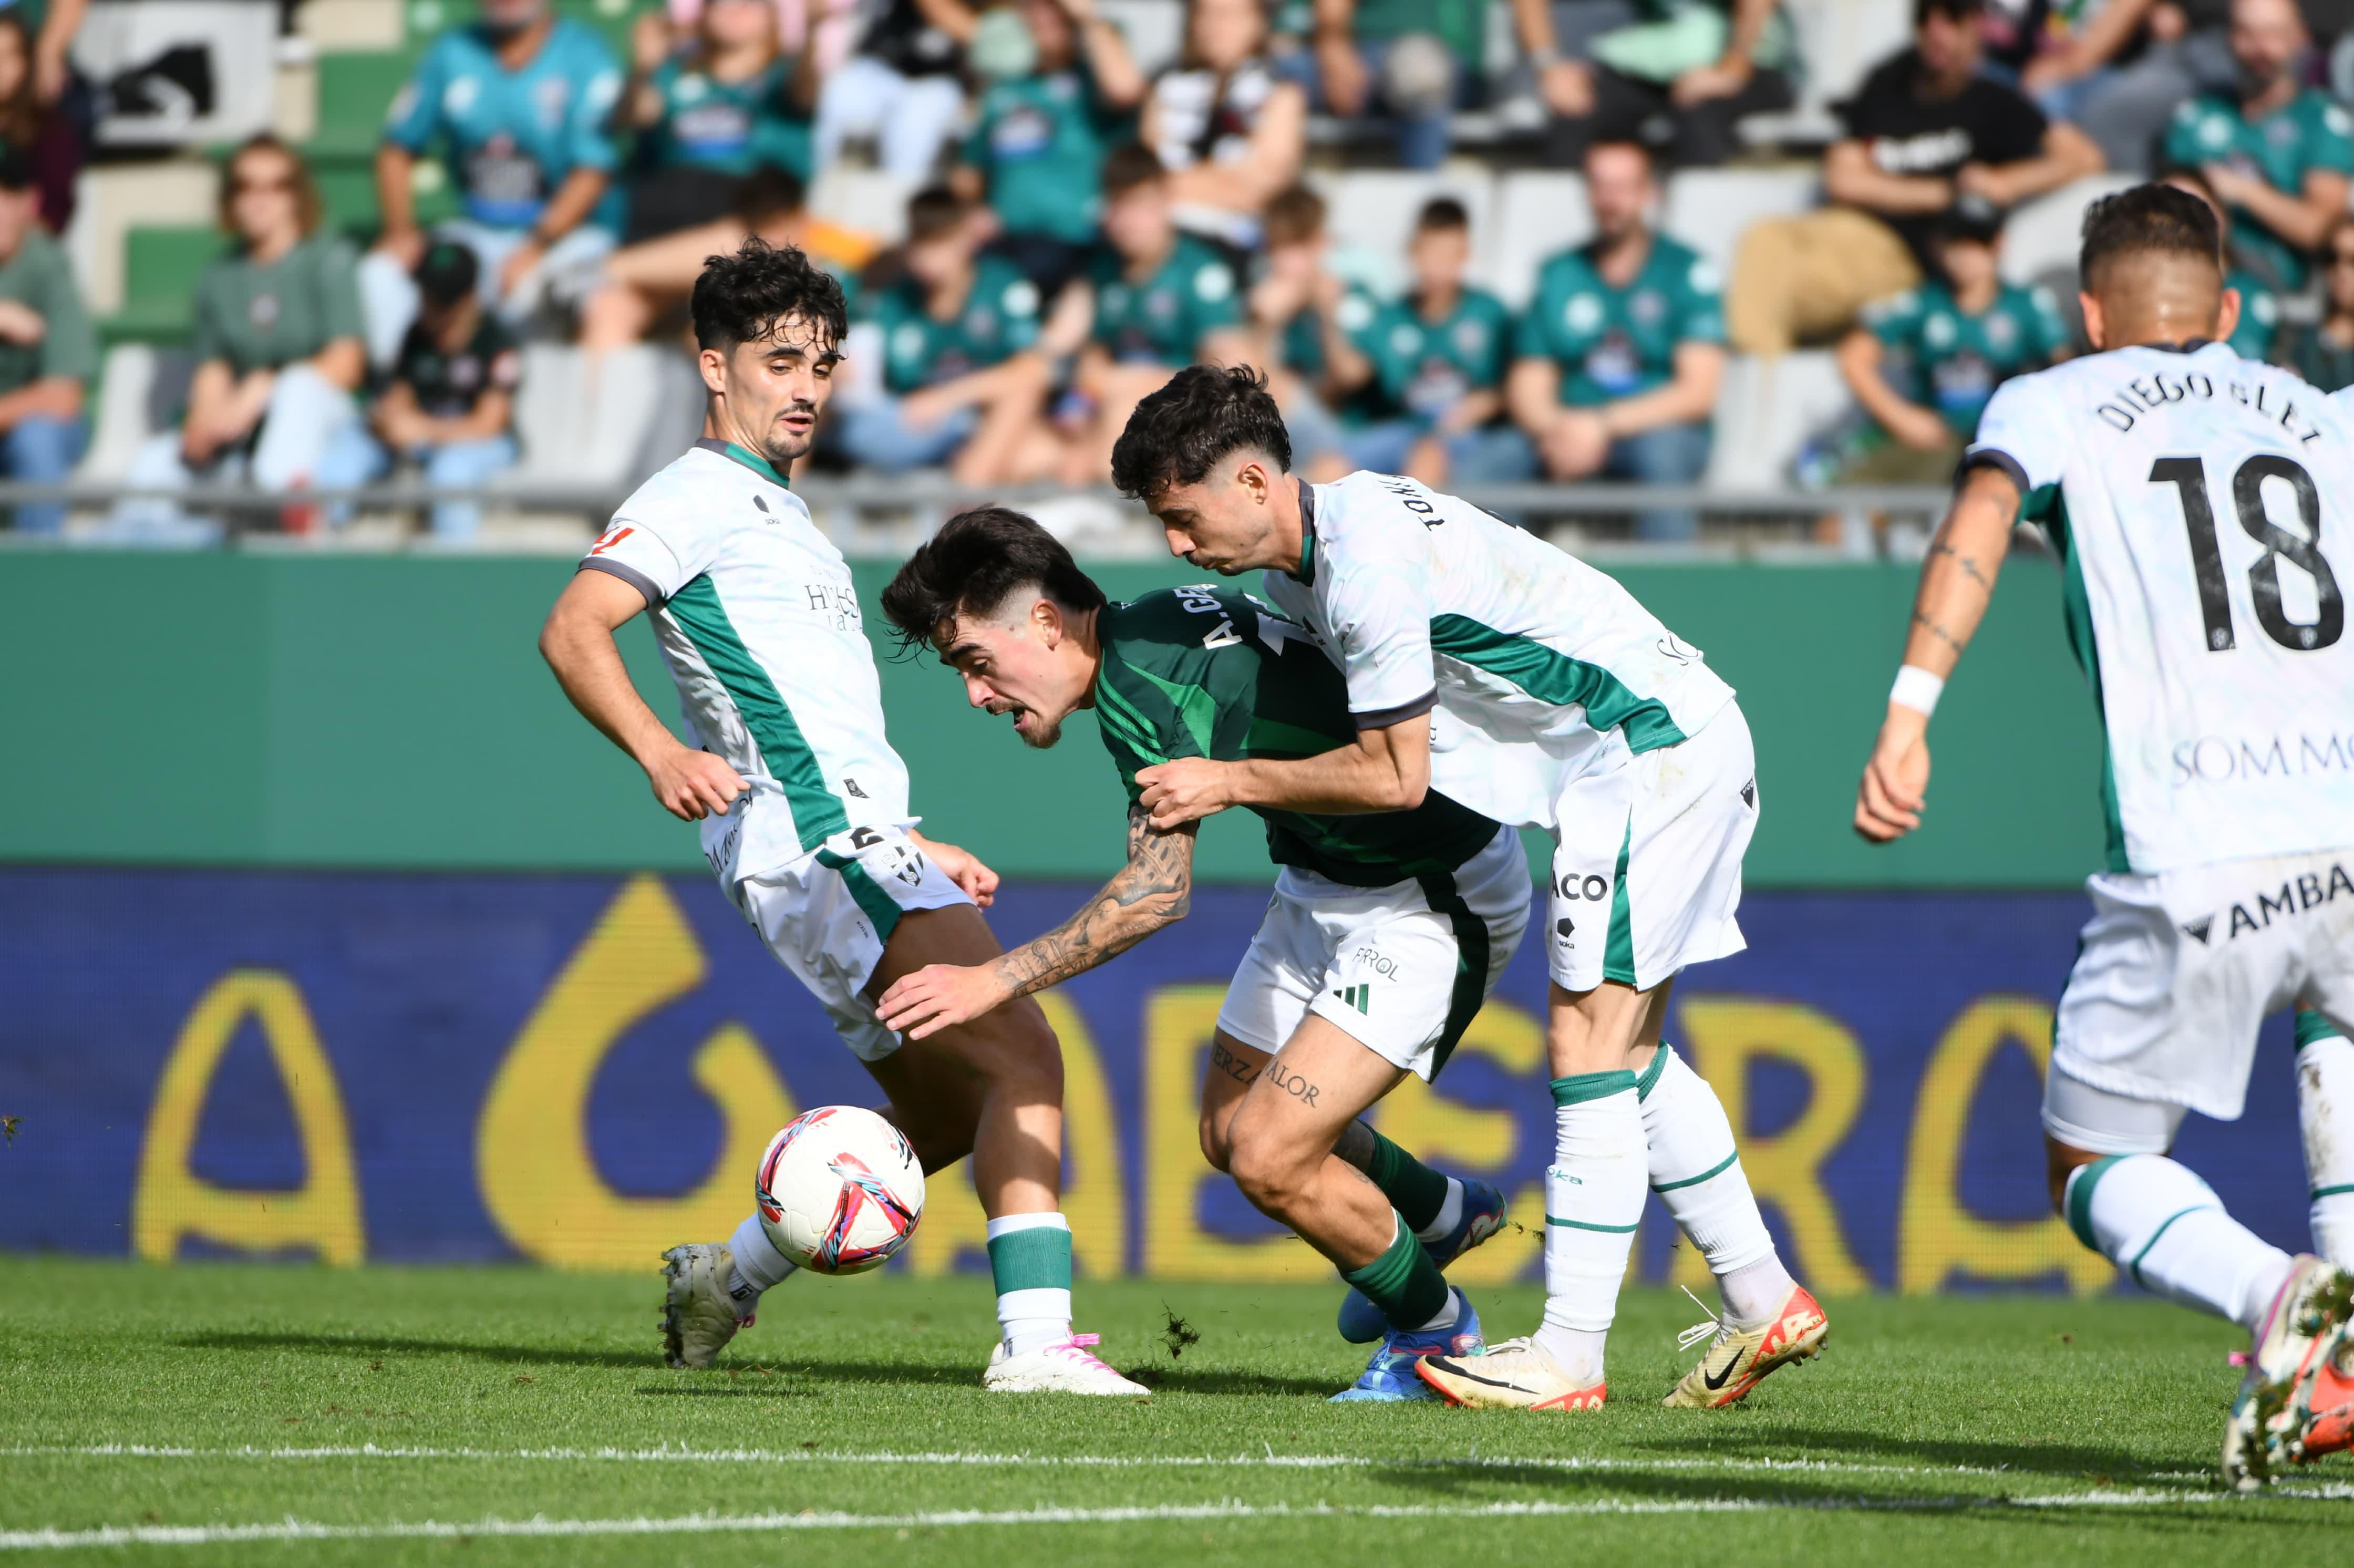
[
  {"x": 970, "y": 567},
  {"x": 2144, "y": 219},
  {"x": 1187, "y": 428},
  {"x": 743, "y": 295}
]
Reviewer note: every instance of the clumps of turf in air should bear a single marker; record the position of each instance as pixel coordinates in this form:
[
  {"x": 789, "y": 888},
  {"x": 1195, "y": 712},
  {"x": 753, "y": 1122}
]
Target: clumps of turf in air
[{"x": 1180, "y": 1336}]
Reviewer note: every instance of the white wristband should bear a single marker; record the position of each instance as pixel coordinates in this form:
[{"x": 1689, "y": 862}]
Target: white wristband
[{"x": 1917, "y": 689}]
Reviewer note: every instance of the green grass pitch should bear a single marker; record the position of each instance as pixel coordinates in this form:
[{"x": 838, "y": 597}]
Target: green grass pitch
[{"x": 432, "y": 1416}]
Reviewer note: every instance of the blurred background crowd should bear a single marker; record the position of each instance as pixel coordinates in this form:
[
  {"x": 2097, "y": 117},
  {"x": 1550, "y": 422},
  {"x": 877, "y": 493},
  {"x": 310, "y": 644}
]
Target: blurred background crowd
[{"x": 1729, "y": 248}]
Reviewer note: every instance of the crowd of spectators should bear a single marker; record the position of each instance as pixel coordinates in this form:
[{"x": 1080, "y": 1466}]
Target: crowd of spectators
[{"x": 1080, "y": 229}]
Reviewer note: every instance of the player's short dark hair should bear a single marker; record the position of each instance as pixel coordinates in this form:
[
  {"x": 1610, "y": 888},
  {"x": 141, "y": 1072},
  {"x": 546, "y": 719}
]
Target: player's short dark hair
[
  {"x": 1129, "y": 165},
  {"x": 1190, "y": 426},
  {"x": 1442, "y": 214},
  {"x": 2147, "y": 219},
  {"x": 1294, "y": 214},
  {"x": 744, "y": 294},
  {"x": 1952, "y": 10},
  {"x": 970, "y": 567},
  {"x": 933, "y": 211}
]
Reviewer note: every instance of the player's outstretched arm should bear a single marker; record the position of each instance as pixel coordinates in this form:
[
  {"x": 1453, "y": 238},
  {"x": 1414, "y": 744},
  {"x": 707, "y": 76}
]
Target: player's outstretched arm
[
  {"x": 1388, "y": 769},
  {"x": 1956, "y": 582},
  {"x": 578, "y": 643},
  {"x": 1155, "y": 889}
]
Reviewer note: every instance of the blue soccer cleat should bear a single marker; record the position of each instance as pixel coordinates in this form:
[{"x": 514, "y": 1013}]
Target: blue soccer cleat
[
  {"x": 1390, "y": 1375},
  {"x": 1483, "y": 1216}
]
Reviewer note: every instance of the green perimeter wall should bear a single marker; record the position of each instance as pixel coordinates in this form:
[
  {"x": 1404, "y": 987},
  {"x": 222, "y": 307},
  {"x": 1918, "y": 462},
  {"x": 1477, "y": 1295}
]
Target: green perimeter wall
[{"x": 392, "y": 712}]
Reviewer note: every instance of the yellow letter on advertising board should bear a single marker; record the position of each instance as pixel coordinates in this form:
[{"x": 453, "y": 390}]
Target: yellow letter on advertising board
[
  {"x": 540, "y": 1178},
  {"x": 1938, "y": 1234},
  {"x": 1724, "y": 1036},
  {"x": 1095, "y": 1190},
  {"x": 1418, "y": 1119},
  {"x": 173, "y": 1201},
  {"x": 1177, "y": 1022}
]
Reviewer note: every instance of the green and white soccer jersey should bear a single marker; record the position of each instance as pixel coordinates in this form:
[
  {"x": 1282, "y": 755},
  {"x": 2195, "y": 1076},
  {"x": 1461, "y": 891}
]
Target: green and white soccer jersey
[
  {"x": 2195, "y": 499},
  {"x": 1394, "y": 926},
  {"x": 2310, "y": 132},
  {"x": 1956, "y": 359},
  {"x": 1164, "y": 318}
]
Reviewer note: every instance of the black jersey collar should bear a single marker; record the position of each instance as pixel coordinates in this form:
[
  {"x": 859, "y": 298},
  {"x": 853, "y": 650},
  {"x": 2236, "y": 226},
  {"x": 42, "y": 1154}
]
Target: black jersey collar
[{"x": 1306, "y": 572}]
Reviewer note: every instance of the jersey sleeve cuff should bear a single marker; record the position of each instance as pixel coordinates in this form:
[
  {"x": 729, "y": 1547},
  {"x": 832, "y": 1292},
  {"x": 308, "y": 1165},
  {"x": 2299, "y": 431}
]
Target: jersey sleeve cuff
[
  {"x": 1381, "y": 718},
  {"x": 1995, "y": 457},
  {"x": 628, "y": 574}
]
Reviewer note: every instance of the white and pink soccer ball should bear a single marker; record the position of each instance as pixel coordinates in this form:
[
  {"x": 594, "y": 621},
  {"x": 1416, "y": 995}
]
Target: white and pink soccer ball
[{"x": 839, "y": 1190}]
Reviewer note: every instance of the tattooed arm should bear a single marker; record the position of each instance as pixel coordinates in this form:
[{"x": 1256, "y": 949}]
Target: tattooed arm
[
  {"x": 1956, "y": 583},
  {"x": 1154, "y": 889}
]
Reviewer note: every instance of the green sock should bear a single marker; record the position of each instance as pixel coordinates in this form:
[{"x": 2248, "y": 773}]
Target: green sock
[
  {"x": 1415, "y": 1191},
  {"x": 1402, "y": 1282}
]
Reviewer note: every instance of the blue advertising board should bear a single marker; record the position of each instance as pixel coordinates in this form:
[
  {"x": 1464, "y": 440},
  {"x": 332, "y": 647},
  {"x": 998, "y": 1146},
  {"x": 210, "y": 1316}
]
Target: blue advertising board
[{"x": 581, "y": 1070}]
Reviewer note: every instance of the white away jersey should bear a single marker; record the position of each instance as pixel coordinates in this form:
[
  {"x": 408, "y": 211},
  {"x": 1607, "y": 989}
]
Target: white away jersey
[
  {"x": 2197, "y": 500},
  {"x": 1533, "y": 658},
  {"x": 758, "y": 621}
]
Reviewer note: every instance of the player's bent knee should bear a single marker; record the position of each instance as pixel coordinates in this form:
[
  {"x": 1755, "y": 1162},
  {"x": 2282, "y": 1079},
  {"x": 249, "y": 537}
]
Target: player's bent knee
[
  {"x": 1214, "y": 1149},
  {"x": 1268, "y": 1168}
]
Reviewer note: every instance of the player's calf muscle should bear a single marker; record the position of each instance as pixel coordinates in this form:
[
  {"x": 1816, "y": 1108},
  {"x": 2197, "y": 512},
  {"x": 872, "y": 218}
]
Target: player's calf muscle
[{"x": 1233, "y": 1068}]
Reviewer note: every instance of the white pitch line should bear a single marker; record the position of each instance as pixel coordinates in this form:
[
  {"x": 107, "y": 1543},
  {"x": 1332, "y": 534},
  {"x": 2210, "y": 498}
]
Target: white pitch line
[{"x": 706, "y": 1523}]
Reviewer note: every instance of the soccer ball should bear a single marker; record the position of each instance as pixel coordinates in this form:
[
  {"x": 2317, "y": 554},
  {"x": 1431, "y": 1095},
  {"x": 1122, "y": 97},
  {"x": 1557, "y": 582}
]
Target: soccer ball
[{"x": 839, "y": 1190}]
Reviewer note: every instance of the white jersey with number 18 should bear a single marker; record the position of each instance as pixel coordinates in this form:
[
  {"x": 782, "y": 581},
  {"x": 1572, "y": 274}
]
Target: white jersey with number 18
[{"x": 2199, "y": 504}]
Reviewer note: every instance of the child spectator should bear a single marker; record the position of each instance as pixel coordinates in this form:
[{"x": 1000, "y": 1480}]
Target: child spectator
[
  {"x": 962, "y": 385},
  {"x": 2260, "y": 309},
  {"x": 1923, "y": 363},
  {"x": 710, "y": 113},
  {"x": 899, "y": 86},
  {"x": 42, "y": 134},
  {"x": 49, "y": 350},
  {"x": 1439, "y": 358},
  {"x": 1675, "y": 75},
  {"x": 2323, "y": 353},
  {"x": 449, "y": 403},
  {"x": 2275, "y": 152},
  {"x": 1061, "y": 84},
  {"x": 1230, "y": 133},
  {"x": 1154, "y": 299},
  {"x": 277, "y": 346},
  {"x": 518, "y": 103},
  {"x": 1620, "y": 352},
  {"x": 1309, "y": 322}
]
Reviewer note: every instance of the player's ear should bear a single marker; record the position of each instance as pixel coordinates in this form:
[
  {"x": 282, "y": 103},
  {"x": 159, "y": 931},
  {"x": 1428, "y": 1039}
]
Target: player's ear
[
  {"x": 1046, "y": 622},
  {"x": 714, "y": 365},
  {"x": 2096, "y": 329},
  {"x": 2227, "y": 316}
]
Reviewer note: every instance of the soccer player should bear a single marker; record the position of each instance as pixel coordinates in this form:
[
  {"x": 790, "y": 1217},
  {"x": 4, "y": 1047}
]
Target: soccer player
[
  {"x": 804, "y": 806},
  {"x": 1513, "y": 679},
  {"x": 1385, "y": 934},
  {"x": 2216, "y": 650}
]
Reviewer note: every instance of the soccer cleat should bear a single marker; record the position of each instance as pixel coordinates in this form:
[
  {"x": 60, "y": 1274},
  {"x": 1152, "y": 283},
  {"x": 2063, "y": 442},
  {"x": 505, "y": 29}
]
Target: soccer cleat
[
  {"x": 1483, "y": 1216},
  {"x": 1390, "y": 1374},
  {"x": 2290, "y": 1363},
  {"x": 1512, "y": 1375},
  {"x": 698, "y": 1315},
  {"x": 1069, "y": 1366},
  {"x": 1737, "y": 1359}
]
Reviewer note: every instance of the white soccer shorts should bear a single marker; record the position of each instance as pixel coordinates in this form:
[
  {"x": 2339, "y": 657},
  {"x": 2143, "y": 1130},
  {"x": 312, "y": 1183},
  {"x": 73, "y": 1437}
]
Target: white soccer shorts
[
  {"x": 2173, "y": 974},
  {"x": 828, "y": 915},
  {"x": 1400, "y": 969},
  {"x": 1647, "y": 872}
]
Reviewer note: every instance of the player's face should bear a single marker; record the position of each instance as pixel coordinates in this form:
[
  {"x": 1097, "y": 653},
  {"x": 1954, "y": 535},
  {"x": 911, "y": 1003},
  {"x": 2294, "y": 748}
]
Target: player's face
[
  {"x": 777, "y": 387},
  {"x": 1011, "y": 666},
  {"x": 1224, "y": 523}
]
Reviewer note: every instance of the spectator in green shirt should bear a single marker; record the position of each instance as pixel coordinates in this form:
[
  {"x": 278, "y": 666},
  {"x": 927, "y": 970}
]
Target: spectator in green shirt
[
  {"x": 2324, "y": 353},
  {"x": 1154, "y": 299},
  {"x": 49, "y": 351},
  {"x": 2260, "y": 309},
  {"x": 277, "y": 344},
  {"x": 1061, "y": 89},
  {"x": 1925, "y": 364},
  {"x": 1620, "y": 352},
  {"x": 962, "y": 382},
  {"x": 2277, "y": 152},
  {"x": 1438, "y": 361},
  {"x": 1413, "y": 63},
  {"x": 709, "y": 112}
]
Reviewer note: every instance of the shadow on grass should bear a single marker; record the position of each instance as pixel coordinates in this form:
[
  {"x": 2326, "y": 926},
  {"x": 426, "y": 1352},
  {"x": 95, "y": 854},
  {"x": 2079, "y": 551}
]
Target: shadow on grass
[
  {"x": 386, "y": 1345},
  {"x": 2058, "y": 1459},
  {"x": 1168, "y": 1380}
]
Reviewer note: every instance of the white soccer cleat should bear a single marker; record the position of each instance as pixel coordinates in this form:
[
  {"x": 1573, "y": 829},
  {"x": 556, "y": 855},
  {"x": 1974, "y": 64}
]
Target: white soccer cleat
[
  {"x": 1069, "y": 1367},
  {"x": 698, "y": 1315},
  {"x": 2265, "y": 1425}
]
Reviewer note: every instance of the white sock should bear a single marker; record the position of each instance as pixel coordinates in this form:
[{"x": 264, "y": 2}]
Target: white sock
[
  {"x": 1034, "y": 1317},
  {"x": 1451, "y": 1214},
  {"x": 2325, "y": 1109},
  {"x": 1695, "y": 1168},
  {"x": 2164, "y": 1226},
  {"x": 1594, "y": 1200},
  {"x": 759, "y": 1266}
]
